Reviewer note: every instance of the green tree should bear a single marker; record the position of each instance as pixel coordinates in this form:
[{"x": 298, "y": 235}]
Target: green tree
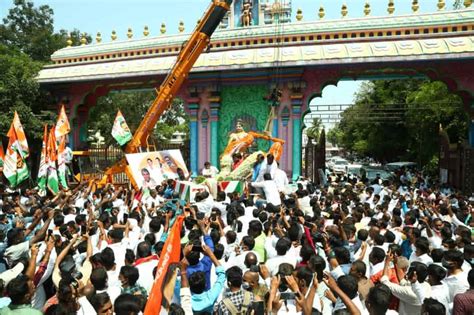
[
  {"x": 334, "y": 136},
  {"x": 30, "y": 30},
  {"x": 314, "y": 130},
  {"x": 134, "y": 106},
  {"x": 393, "y": 120}
]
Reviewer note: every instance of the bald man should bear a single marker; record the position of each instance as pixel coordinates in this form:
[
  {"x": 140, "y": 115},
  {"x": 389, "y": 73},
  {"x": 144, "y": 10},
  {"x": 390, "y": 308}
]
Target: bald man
[
  {"x": 251, "y": 283},
  {"x": 250, "y": 260}
]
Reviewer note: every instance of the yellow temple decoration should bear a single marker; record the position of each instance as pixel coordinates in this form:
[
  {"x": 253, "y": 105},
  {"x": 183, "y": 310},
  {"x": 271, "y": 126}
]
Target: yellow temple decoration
[
  {"x": 129, "y": 33},
  {"x": 69, "y": 40},
  {"x": 163, "y": 28},
  {"x": 181, "y": 26},
  {"x": 391, "y": 7},
  {"x": 146, "y": 32},
  {"x": 415, "y": 6},
  {"x": 299, "y": 15},
  {"x": 114, "y": 35},
  {"x": 367, "y": 8},
  {"x": 321, "y": 13},
  {"x": 467, "y": 3},
  {"x": 98, "y": 37},
  {"x": 344, "y": 10},
  {"x": 83, "y": 39},
  {"x": 441, "y": 5}
]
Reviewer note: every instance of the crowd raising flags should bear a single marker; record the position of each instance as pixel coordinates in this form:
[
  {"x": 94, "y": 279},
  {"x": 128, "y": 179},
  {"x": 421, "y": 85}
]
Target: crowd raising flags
[{"x": 52, "y": 169}]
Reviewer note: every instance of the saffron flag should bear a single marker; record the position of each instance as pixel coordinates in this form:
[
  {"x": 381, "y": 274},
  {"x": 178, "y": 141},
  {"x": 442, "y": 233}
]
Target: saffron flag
[
  {"x": 62, "y": 125},
  {"x": 52, "y": 182},
  {"x": 169, "y": 255},
  {"x": 62, "y": 162},
  {"x": 15, "y": 169},
  {"x": 43, "y": 168},
  {"x": 21, "y": 143},
  {"x": 2, "y": 155},
  {"x": 120, "y": 130}
]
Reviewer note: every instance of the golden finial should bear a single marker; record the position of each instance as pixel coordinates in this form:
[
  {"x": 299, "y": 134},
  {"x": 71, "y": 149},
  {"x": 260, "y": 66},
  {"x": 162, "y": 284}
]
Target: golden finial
[
  {"x": 391, "y": 7},
  {"x": 441, "y": 5},
  {"x": 367, "y": 8},
  {"x": 344, "y": 10},
  {"x": 69, "y": 40},
  {"x": 163, "y": 28},
  {"x": 114, "y": 35},
  {"x": 83, "y": 39},
  {"x": 129, "y": 33},
  {"x": 146, "y": 32},
  {"x": 321, "y": 12},
  {"x": 199, "y": 21},
  {"x": 415, "y": 6},
  {"x": 299, "y": 15},
  {"x": 467, "y": 3},
  {"x": 98, "y": 37},
  {"x": 181, "y": 26}
]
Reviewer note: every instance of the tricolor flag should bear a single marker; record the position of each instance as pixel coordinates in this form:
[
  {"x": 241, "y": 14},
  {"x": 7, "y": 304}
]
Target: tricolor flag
[
  {"x": 15, "y": 168},
  {"x": 21, "y": 142},
  {"x": 62, "y": 125},
  {"x": 2, "y": 155},
  {"x": 62, "y": 162},
  {"x": 52, "y": 182},
  {"x": 43, "y": 168},
  {"x": 169, "y": 256},
  {"x": 120, "y": 130}
]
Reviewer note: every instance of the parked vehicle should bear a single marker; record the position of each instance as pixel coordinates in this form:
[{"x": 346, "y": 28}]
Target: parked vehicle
[
  {"x": 331, "y": 161},
  {"x": 393, "y": 167},
  {"x": 372, "y": 173},
  {"x": 340, "y": 166},
  {"x": 354, "y": 169}
]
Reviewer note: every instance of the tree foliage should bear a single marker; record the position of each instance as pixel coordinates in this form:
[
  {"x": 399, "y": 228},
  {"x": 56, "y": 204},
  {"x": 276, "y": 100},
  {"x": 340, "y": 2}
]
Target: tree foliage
[
  {"x": 393, "y": 120},
  {"x": 134, "y": 106},
  {"x": 27, "y": 40},
  {"x": 314, "y": 130}
]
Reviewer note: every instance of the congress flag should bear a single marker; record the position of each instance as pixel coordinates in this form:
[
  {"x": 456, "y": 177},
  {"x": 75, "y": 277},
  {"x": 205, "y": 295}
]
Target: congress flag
[
  {"x": 62, "y": 162},
  {"x": 2, "y": 155},
  {"x": 52, "y": 182},
  {"x": 15, "y": 169},
  {"x": 21, "y": 143},
  {"x": 62, "y": 125},
  {"x": 43, "y": 168},
  {"x": 169, "y": 255},
  {"x": 120, "y": 130}
]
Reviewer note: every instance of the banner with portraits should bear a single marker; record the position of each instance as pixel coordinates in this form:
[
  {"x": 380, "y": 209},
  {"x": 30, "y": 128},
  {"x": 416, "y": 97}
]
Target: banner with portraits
[{"x": 150, "y": 169}]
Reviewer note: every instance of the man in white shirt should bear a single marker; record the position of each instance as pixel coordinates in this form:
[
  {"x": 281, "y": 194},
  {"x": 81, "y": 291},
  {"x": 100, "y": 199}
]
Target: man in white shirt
[
  {"x": 272, "y": 195},
  {"x": 209, "y": 171},
  {"x": 284, "y": 255},
  {"x": 281, "y": 179}
]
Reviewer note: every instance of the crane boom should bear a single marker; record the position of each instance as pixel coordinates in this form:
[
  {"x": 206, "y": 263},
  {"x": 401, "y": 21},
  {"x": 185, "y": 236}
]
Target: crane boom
[{"x": 188, "y": 55}]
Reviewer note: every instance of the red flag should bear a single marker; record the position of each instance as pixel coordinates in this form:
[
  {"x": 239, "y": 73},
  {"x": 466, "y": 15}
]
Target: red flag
[{"x": 169, "y": 255}]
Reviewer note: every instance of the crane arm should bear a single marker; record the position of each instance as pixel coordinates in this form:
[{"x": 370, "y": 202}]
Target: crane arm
[{"x": 187, "y": 57}]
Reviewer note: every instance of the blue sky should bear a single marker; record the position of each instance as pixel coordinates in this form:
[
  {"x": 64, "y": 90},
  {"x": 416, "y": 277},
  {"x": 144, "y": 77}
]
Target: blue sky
[{"x": 92, "y": 16}]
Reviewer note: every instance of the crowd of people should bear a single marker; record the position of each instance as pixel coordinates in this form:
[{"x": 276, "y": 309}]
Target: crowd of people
[{"x": 353, "y": 247}]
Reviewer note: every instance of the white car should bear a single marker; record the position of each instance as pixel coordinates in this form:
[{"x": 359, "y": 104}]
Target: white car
[
  {"x": 330, "y": 162},
  {"x": 340, "y": 166}
]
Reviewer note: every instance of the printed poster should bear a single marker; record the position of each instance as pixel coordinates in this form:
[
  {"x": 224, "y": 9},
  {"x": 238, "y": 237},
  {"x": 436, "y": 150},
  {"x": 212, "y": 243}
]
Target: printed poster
[{"x": 150, "y": 169}]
